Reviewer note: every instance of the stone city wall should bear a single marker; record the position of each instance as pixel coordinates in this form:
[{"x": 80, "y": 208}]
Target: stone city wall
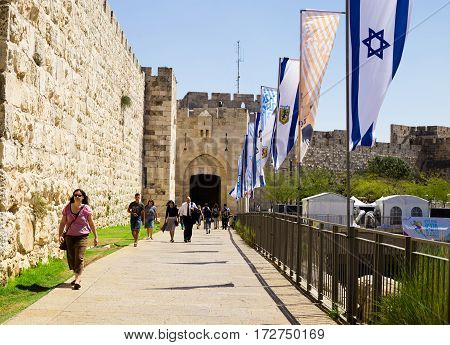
[
  {"x": 65, "y": 66},
  {"x": 328, "y": 150}
]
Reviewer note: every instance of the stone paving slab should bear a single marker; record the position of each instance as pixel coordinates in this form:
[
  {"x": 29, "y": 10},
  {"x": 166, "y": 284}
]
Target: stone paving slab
[{"x": 206, "y": 281}]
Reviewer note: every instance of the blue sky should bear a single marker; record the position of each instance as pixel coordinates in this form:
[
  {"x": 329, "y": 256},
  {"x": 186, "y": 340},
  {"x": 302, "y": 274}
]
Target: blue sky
[{"x": 197, "y": 38}]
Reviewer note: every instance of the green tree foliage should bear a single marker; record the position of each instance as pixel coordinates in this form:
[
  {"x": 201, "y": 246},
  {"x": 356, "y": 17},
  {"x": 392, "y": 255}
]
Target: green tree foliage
[
  {"x": 280, "y": 187},
  {"x": 385, "y": 176},
  {"x": 316, "y": 181},
  {"x": 438, "y": 189},
  {"x": 371, "y": 187},
  {"x": 391, "y": 167}
]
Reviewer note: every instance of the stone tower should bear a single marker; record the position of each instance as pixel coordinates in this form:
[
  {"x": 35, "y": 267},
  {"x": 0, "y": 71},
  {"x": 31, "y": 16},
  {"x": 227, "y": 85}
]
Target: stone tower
[{"x": 160, "y": 122}]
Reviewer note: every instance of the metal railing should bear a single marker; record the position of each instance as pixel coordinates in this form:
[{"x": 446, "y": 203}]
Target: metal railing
[{"x": 350, "y": 271}]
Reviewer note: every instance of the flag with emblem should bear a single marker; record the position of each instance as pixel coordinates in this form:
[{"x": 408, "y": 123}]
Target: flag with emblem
[
  {"x": 268, "y": 112},
  {"x": 377, "y": 34},
  {"x": 285, "y": 133},
  {"x": 318, "y": 32}
]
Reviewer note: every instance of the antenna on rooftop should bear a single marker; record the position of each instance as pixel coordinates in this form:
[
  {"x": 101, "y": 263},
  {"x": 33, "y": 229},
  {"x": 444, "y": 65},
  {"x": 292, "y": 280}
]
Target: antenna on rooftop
[{"x": 240, "y": 58}]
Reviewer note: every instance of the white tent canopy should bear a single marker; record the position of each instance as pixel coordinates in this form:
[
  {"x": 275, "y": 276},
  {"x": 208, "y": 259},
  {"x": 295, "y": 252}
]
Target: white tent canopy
[
  {"x": 401, "y": 207},
  {"x": 329, "y": 207},
  {"x": 359, "y": 203}
]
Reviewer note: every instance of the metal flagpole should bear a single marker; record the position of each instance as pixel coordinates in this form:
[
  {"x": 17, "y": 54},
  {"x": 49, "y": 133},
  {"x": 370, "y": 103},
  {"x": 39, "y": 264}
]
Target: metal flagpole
[
  {"x": 274, "y": 144},
  {"x": 350, "y": 286},
  {"x": 299, "y": 120}
]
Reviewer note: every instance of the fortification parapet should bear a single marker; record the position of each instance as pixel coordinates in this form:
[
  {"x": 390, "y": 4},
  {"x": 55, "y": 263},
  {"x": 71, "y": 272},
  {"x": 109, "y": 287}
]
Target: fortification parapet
[
  {"x": 116, "y": 27},
  {"x": 194, "y": 100}
]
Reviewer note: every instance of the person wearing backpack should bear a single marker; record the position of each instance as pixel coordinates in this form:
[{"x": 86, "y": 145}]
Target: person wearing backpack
[
  {"x": 207, "y": 214},
  {"x": 150, "y": 217},
  {"x": 225, "y": 215},
  {"x": 215, "y": 215}
]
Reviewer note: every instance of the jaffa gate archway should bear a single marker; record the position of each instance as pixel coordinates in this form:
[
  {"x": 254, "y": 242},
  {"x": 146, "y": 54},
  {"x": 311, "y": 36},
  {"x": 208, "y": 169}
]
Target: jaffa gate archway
[
  {"x": 205, "y": 188},
  {"x": 209, "y": 135}
]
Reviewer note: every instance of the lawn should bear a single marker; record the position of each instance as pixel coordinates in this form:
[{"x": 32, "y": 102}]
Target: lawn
[{"x": 36, "y": 282}]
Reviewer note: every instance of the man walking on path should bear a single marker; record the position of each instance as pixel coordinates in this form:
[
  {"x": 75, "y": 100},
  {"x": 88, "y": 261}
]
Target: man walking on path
[
  {"x": 187, "y": 210},
  {"x": 137, "y": 216},
  {"x": 207, "y": 214},
  {"x": 225, "y": 215}
]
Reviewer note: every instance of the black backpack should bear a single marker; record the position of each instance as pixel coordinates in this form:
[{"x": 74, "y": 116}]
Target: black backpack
[
  {"x": 225, "y": 212},
  {"x": 206, "y": 212}
]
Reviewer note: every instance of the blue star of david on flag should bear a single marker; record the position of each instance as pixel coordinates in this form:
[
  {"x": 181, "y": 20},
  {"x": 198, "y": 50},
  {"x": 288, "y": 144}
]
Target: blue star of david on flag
[{"x": 383, "y": 44}]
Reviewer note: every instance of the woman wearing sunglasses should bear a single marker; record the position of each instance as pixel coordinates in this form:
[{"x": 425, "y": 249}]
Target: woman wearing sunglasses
[{"x": 76, "y": 223}]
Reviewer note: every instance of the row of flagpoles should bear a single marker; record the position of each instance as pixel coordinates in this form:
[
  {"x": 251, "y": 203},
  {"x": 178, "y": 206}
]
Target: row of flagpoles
[{"x": 375, "y": 38}]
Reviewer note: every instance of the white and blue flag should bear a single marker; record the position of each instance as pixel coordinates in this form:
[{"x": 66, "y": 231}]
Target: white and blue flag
[
  {"x": 258, "y": 173},
  {"x": 377, "y": 31},
  {"x": 249, "y": 161},
  {"x": 286, "y": 124},
  {"x": 267, "y": 123},
  {"x": 236, "y": 192}
]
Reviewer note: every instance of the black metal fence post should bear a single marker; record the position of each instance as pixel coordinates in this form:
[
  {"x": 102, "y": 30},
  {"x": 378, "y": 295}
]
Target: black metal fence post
[{"x": 310, "y": 255}]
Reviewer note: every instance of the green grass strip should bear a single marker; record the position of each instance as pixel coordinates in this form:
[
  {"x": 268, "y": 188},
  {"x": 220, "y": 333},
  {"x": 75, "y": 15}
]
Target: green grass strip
[{"x": 34, "y": 283}]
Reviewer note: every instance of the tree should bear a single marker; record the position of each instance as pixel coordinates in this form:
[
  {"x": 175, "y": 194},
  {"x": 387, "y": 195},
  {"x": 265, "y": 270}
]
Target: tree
[{"x": 391, "y": 167}]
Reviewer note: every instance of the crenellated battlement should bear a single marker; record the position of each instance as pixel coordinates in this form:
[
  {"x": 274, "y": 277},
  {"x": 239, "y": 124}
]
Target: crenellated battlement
[
  {"x": 195, "y": 100},
  {"x": 120, "y": 34},
  {"x": 416, "y": 135}
]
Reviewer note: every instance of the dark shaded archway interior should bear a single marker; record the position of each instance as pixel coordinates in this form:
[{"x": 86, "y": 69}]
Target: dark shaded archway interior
[{"x": 205, "y": 188}]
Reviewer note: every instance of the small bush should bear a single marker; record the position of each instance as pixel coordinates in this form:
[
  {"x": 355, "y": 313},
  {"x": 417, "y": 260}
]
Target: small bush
[
  {"x": 125, "y": 102},
  {"x": 40, "y": 206}
]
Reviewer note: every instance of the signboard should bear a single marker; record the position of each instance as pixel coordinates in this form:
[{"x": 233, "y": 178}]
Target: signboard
[{"x": 427, "y": 228}]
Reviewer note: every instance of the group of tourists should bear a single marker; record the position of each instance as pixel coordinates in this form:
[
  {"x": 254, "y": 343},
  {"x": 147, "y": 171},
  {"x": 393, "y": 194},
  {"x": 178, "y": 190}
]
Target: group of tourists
[
  {"x": 77, "y": 223},
  {"x": 142, "y": 214}
]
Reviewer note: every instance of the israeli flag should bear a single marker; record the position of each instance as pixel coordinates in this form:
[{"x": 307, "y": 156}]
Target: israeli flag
[
  {"x": 269, "y": 103},
  {"x": 377, "y": 31},
  {"x": 286, "y": 123}
]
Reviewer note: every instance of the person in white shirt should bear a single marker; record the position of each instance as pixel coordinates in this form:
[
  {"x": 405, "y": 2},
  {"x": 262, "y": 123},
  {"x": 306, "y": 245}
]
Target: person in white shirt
[{"x": 187, "y": 213}]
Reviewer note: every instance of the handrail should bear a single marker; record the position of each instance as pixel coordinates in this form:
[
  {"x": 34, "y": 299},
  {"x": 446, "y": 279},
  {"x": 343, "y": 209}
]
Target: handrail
[{"x": 345, "y": 269}]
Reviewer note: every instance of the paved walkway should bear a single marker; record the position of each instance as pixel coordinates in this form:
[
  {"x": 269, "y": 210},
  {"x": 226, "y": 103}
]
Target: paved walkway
[{"x": 216, "y": 279}]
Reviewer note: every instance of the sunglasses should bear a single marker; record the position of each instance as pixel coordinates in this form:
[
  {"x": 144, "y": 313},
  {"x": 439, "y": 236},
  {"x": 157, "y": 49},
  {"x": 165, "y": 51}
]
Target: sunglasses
[{"x": 78, "y": 195}]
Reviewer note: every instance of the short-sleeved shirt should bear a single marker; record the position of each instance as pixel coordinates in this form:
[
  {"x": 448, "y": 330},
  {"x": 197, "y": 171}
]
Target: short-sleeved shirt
[
  {"x": 150, "y": 212},
  {"x": 137, "y": 208},
  {"x": 77, "y": 226}
]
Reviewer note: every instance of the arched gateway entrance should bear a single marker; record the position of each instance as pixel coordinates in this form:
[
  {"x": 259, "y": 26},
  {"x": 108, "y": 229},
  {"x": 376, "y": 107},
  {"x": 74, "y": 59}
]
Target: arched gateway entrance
[
  {"x": 205, "y": 180},
  {"x": 205, "y": 188}
]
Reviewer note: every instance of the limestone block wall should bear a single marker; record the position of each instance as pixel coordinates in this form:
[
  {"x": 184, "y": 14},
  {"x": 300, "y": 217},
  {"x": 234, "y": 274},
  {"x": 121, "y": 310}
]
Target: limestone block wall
[
  {"x": 328, "y": 150},
  {"x": 160, "y": 121},
  {"x": 64, "y": 67},
  {"x": 208, "y": 154}
]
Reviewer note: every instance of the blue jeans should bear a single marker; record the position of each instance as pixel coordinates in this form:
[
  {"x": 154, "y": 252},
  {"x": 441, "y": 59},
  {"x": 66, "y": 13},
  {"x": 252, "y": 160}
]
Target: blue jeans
[{"x": 207, "y": 224}]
